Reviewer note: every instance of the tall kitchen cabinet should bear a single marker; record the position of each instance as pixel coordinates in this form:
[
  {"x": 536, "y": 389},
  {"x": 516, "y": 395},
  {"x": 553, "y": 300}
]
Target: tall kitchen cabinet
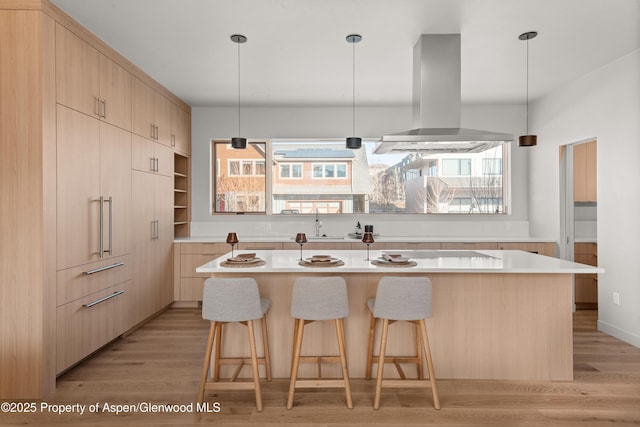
[
  {"x": 153, "y": 236},
  {"x": 75, "y": 271}
]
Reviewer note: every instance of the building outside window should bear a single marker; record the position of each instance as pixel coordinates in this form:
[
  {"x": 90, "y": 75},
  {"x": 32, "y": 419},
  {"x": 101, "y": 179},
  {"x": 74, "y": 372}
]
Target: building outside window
[{"x": 323, "y": 176}]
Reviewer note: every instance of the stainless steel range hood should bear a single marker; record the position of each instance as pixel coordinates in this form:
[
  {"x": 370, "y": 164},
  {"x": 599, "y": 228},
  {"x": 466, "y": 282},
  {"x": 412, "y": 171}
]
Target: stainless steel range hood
[{"x": 437, "y": 104}]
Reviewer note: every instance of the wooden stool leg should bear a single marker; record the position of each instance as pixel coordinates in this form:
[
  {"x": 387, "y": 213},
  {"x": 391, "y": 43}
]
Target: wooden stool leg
[
  {"x": 343, "y": 361},
  {"x": 419, "y": 352},
  {"x": 254, "y": 364},
  {"x": 207, "y": 361},
  {"x": 372, "y": 332},
  {"x": 383, "y": 346},
  {"x": 265, "y": 344},
  {"x": 432, "y": 374},
  {"x": 299, "y": 330},
  {"x": 217, "y": 354}
]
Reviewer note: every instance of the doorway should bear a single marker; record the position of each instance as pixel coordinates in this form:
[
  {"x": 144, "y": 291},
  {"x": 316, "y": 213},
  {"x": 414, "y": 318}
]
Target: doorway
[{"x": 578, "y": 204}]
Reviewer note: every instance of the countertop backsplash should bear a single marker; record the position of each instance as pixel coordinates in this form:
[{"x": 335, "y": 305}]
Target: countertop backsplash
[{"x": 340, "y": 227}]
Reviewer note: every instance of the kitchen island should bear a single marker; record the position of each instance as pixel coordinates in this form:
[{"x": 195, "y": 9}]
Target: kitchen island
[{"x": 496, "y": 314}]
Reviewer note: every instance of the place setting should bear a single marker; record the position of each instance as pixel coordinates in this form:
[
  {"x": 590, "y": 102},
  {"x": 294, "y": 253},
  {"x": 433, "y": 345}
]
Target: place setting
[
  {"x": 240, "y": 260},
  {"x": 393, "y": 260},
  {"x": 315, "y": 260}
]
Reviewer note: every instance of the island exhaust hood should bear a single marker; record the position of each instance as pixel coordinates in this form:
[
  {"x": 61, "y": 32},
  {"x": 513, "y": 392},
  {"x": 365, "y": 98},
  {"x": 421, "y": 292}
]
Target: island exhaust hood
[{"x": 437, "y": 104}]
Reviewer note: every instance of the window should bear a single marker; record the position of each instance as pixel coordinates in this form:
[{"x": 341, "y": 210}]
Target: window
[
  {"x": 456, "y": 167},
  {"x": 239, "y": 183},
  {"x": 244, "y": 167},
  {"x": 291, "y": 170},
  {"x": 329, "y": 170},
  {"x": 492, "y": 166},
  {"x": 285, "y": 177}
]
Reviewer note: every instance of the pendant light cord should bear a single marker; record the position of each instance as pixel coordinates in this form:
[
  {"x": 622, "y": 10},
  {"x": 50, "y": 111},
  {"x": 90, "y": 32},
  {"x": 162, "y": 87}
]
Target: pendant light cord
[
  {"x": 527, "y": 86},
  {"x": 238, "y": 89},
  {"x": 353, "y": 104}
]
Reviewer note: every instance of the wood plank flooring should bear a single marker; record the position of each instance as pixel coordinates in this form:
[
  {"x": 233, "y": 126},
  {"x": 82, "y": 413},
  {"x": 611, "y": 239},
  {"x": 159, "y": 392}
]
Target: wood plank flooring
[{"x": 160, "y": 364}]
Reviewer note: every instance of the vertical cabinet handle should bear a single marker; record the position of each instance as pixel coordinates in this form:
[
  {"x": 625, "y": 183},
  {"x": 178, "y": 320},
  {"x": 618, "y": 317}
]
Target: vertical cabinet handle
[
  {"x": 101, "y": 228},
  {"x": 96, "y": 106},
  {"x": 173, "y": 140},
  {"x": 104, "y": 109},
  {"x": 152, "y": 164},
  {"x": 152, "y": 131},
  {"x": 154, "y": 230},
  {"x": 110, "y": 201},
  {"x": 157, "y": 165}
]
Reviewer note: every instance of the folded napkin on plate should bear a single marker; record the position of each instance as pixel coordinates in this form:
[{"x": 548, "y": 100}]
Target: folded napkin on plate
[
  {"x": 241, "y": 259},
  {"x": 395, "y": 258}
]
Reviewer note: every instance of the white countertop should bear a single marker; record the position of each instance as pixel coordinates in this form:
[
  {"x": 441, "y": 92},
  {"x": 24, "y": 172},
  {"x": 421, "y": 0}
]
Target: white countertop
[
  {"x": 381, "y": 239},
  {"x": 428, "y": 261}
]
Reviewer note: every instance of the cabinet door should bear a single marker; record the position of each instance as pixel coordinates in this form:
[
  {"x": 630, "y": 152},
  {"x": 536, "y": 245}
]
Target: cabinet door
[
  {"x": 592, "y": 171},
  {"x": 162, "y": 119},
  {"x": 115, "y": 182},
  {"x": 78, "y": 188},
  {"x": 163, "y": 246},
  {"x": 142, "y": 154},
  {"x": 77, "y": 73},
  {"x": 142, "y": 109},
  {"x": 181, "y": 121},
  {"x": 115, "y": 90},
  {"x": 143, "y": 238},
  {"x": 164, "y": 160}
]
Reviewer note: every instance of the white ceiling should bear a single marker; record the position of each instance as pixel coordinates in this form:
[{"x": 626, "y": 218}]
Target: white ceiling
[{"x": 296, "y": 54}]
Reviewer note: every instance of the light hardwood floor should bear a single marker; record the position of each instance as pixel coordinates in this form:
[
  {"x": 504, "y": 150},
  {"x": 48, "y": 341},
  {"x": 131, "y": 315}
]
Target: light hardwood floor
[{"x": 160, "y": 363}]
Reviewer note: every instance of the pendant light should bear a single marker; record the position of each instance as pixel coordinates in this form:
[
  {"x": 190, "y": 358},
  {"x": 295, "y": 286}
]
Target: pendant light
[
  {"x": 354, "y": 142},
  {"x": 527, "y": 140},
  {"x": 238, "y": 142}
]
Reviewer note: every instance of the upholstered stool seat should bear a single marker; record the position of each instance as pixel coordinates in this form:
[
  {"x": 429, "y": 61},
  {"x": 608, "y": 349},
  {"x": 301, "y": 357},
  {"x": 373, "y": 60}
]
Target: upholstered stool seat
[
  {"x": 228, "y": 300},
  {"x": 314, "y": 299},
  {"x": 409, "y": 299}
]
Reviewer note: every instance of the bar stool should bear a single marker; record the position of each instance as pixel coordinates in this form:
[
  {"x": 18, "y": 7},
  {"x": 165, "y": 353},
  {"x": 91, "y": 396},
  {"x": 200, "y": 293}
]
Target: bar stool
[
  {"x": 319, "y": 298},
  {"x": 401, "y": 298},
  {"x": 227, "y": 300}
]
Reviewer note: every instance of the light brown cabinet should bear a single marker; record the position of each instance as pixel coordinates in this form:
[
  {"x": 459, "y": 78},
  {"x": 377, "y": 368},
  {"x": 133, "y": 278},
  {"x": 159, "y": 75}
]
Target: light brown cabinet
[
  {"x": 93, "y": 189},
  {"x": 150, "y": 156},
  {"x": 150, "y": 113},
  {"x": 181, "y": 130},
  {"x": 67, "y": 97},
  {"x": 187, "y": 256},
  {"x": 585, "y": 172},
  {"x": 540, "y": 248},
  {"x": 153, "y": 242},
  {"x": 586, "y": 285},
  {"x": 89, "y": 82}
]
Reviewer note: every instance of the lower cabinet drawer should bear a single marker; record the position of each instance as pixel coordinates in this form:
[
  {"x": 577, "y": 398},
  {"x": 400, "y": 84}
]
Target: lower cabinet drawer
[
  {"x": 77, "y": 282},
  {"x": 86, "y": 324}
]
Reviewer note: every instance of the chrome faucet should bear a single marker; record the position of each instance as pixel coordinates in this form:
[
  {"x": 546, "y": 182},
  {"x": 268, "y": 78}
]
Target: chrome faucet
[{"x": 318, "y": 224}]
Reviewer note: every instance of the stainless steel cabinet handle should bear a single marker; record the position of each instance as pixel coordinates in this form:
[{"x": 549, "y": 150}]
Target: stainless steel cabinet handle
[
  {"x": 173, "y": 140},
  {"x": 157, "y": 229},
  {"x": 101, "y": 227},
  {"x": 152, "y": 131},
  {"x": 152, "y": 166},
  {"x": 104, "y": 109},
  {"x": 98, "y": 301},
  {"x": 96, "y": 106},
  {"x": 110, "y": 201},
  {"x": 107, "y": 267},
  {"x": 157, "y": 165}
]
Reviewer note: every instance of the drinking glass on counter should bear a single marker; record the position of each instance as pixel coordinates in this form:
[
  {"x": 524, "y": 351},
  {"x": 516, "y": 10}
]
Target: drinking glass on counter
[
  {"x": 232, "y": 239},
  {"x": 367, "y": 239},
  {"x": 301, "y": 239}
]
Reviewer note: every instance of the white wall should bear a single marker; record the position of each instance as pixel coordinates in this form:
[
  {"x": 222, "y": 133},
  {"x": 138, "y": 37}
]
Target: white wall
[
  {"x": 332, "y": 122},
  {"x": 605, "y": 104}
]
